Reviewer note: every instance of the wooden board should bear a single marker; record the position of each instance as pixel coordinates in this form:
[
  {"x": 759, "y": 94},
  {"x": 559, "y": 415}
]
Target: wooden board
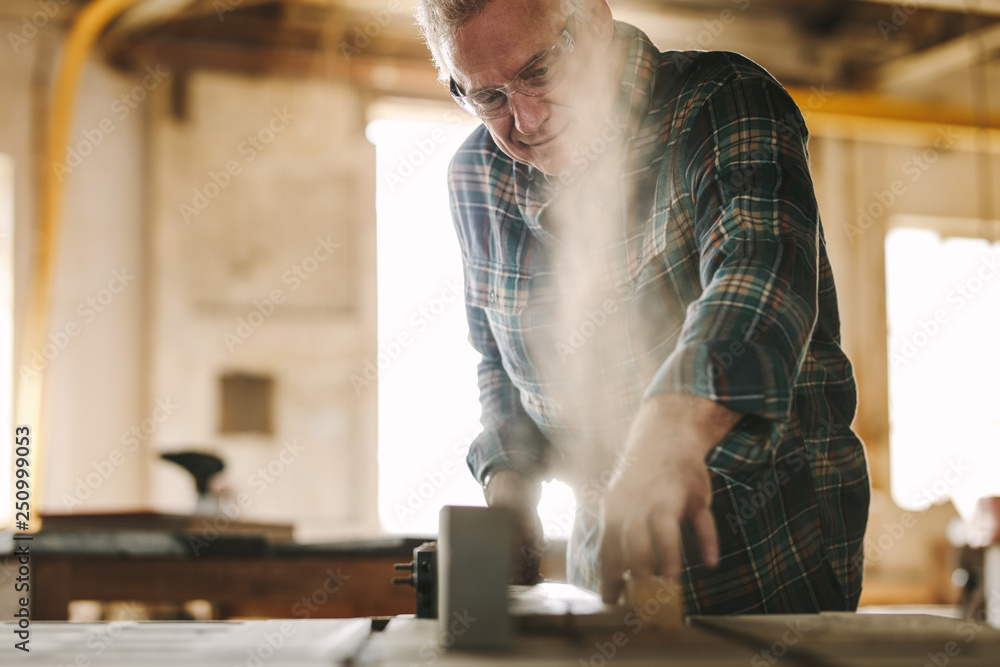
[
  {"x": 407, "y": 641},
  {"x": 280, "y": 643},
  {"x": 843, "y": 639}
]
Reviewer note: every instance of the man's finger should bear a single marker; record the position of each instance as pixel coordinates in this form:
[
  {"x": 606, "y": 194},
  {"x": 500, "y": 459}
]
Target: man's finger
[
  {"x": 667, "y": 533},
  {"x": 637, "y": 548},
  {"x": 708, "y": 536},
  {"x": 611, "y": 562}
]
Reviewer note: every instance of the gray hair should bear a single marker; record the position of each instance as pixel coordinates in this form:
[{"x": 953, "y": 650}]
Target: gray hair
[{"x": 440, "y": 19}]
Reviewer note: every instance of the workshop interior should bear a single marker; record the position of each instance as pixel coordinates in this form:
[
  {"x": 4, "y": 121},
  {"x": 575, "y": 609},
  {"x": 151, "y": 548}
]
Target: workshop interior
[{"x": 233, "y": 322}]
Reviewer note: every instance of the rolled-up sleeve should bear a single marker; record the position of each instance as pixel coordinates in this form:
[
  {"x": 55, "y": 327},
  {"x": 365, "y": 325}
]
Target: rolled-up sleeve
[{"x": 757, "y": 227}]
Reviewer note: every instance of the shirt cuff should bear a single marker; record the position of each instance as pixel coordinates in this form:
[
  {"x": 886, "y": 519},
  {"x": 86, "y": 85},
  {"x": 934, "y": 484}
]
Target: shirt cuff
[
  {"x": 744, "y": 377},
  {"x": 496, "y": 450}
]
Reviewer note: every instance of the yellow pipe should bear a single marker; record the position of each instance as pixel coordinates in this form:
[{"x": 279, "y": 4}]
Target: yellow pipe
[
  {"x": 871, "y": 117},
  {"x": 83, "y": 33}
]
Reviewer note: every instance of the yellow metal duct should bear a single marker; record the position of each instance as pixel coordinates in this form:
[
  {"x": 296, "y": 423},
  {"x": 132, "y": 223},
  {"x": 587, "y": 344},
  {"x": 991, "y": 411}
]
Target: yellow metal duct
[{"x": 87, "y": 26}]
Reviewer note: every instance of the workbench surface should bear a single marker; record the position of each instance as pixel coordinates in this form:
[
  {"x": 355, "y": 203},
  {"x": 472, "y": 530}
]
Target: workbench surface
[{"x": 823, "y": 640}]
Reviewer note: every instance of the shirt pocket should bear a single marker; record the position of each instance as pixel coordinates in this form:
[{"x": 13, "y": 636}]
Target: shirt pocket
[{"x": 496, "y": 288}]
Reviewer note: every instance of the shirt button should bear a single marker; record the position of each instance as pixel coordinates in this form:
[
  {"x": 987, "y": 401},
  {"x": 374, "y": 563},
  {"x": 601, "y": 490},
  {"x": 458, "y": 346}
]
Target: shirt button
[{"x": 493, "y": 296}]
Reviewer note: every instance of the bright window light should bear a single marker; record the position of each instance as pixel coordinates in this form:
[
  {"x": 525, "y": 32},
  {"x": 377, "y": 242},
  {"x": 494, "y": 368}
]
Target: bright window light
[
  {"x": 6, "y": 335},
  {"x": 943, "y": 306},
  {"x": 428, "y": 400}
]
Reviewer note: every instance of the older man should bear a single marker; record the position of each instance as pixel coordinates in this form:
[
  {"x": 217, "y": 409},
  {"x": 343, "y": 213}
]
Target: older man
[{"x": 647, "y": 283}]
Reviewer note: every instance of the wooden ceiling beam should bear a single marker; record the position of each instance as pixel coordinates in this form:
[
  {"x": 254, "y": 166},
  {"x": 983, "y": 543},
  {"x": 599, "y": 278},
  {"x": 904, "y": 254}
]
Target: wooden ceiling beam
[
  {"x": 985, "y": 7},
  {"x": 382, "y": 76},
  {"x": 924, "y": 66}
]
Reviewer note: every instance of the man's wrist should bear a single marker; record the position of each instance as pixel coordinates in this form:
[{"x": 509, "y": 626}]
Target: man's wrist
[
  {"x": 506, "y": 487},
  {"x": 695, "y": 420}
]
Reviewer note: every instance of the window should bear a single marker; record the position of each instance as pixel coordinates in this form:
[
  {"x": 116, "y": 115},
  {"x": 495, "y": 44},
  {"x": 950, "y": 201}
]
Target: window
[
  {"x": 943, "y": 308},
  {"x": 246, "y": 402},
  {"x": 428, "y": 398}
]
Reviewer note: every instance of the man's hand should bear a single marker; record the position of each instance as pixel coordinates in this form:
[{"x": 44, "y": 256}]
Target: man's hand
[
  {"x": 521, "y": 495},
  {"x": 666, "y": 483}
]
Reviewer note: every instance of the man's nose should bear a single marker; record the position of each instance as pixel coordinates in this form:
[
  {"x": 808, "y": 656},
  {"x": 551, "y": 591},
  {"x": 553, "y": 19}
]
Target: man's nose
[{"x": 529, "y": 113}]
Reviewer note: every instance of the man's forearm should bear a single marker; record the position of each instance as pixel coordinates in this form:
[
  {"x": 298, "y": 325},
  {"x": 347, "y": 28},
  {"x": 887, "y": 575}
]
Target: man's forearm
[
  {"x": 694, "y": 421},
  {"x": 520, "y": 495},
  {"x": 507, "y": 487}
]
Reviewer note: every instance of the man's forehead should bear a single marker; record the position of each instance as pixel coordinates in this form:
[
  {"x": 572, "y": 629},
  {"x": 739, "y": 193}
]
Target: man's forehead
[{"x": 493, "y": 45}]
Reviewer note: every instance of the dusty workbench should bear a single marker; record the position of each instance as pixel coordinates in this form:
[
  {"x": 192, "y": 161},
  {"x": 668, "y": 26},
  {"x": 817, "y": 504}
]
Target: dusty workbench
[{"x": 823, "y": 640}]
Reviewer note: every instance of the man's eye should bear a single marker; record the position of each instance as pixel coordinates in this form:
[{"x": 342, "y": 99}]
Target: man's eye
[
  {"x": 538, "y": 74},
  {"x": 488, "y": 98}
]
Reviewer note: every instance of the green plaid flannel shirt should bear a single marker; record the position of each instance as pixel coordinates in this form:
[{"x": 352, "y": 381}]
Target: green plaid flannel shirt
[{"x": 724, "y": 291}]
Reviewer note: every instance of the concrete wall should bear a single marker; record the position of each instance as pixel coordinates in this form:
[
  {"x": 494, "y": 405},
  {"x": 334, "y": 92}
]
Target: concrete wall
[
  {"x": 153, "y": 291},
  {"x": 262, "y": 251}
]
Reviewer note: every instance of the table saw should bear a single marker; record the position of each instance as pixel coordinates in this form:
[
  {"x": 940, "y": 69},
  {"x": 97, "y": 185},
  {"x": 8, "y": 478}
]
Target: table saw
[
  {"x": 471, "y": 616},
  {"x": 822, "y": 640}
]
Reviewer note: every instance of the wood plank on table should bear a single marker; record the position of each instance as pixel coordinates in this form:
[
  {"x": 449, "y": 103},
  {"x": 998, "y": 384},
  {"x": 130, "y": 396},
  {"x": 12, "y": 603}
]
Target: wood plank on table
[
  {"x": 407, "y": 641},
  {"x": 276, "y": 643},
  {"x": 846, "y": 639}
]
